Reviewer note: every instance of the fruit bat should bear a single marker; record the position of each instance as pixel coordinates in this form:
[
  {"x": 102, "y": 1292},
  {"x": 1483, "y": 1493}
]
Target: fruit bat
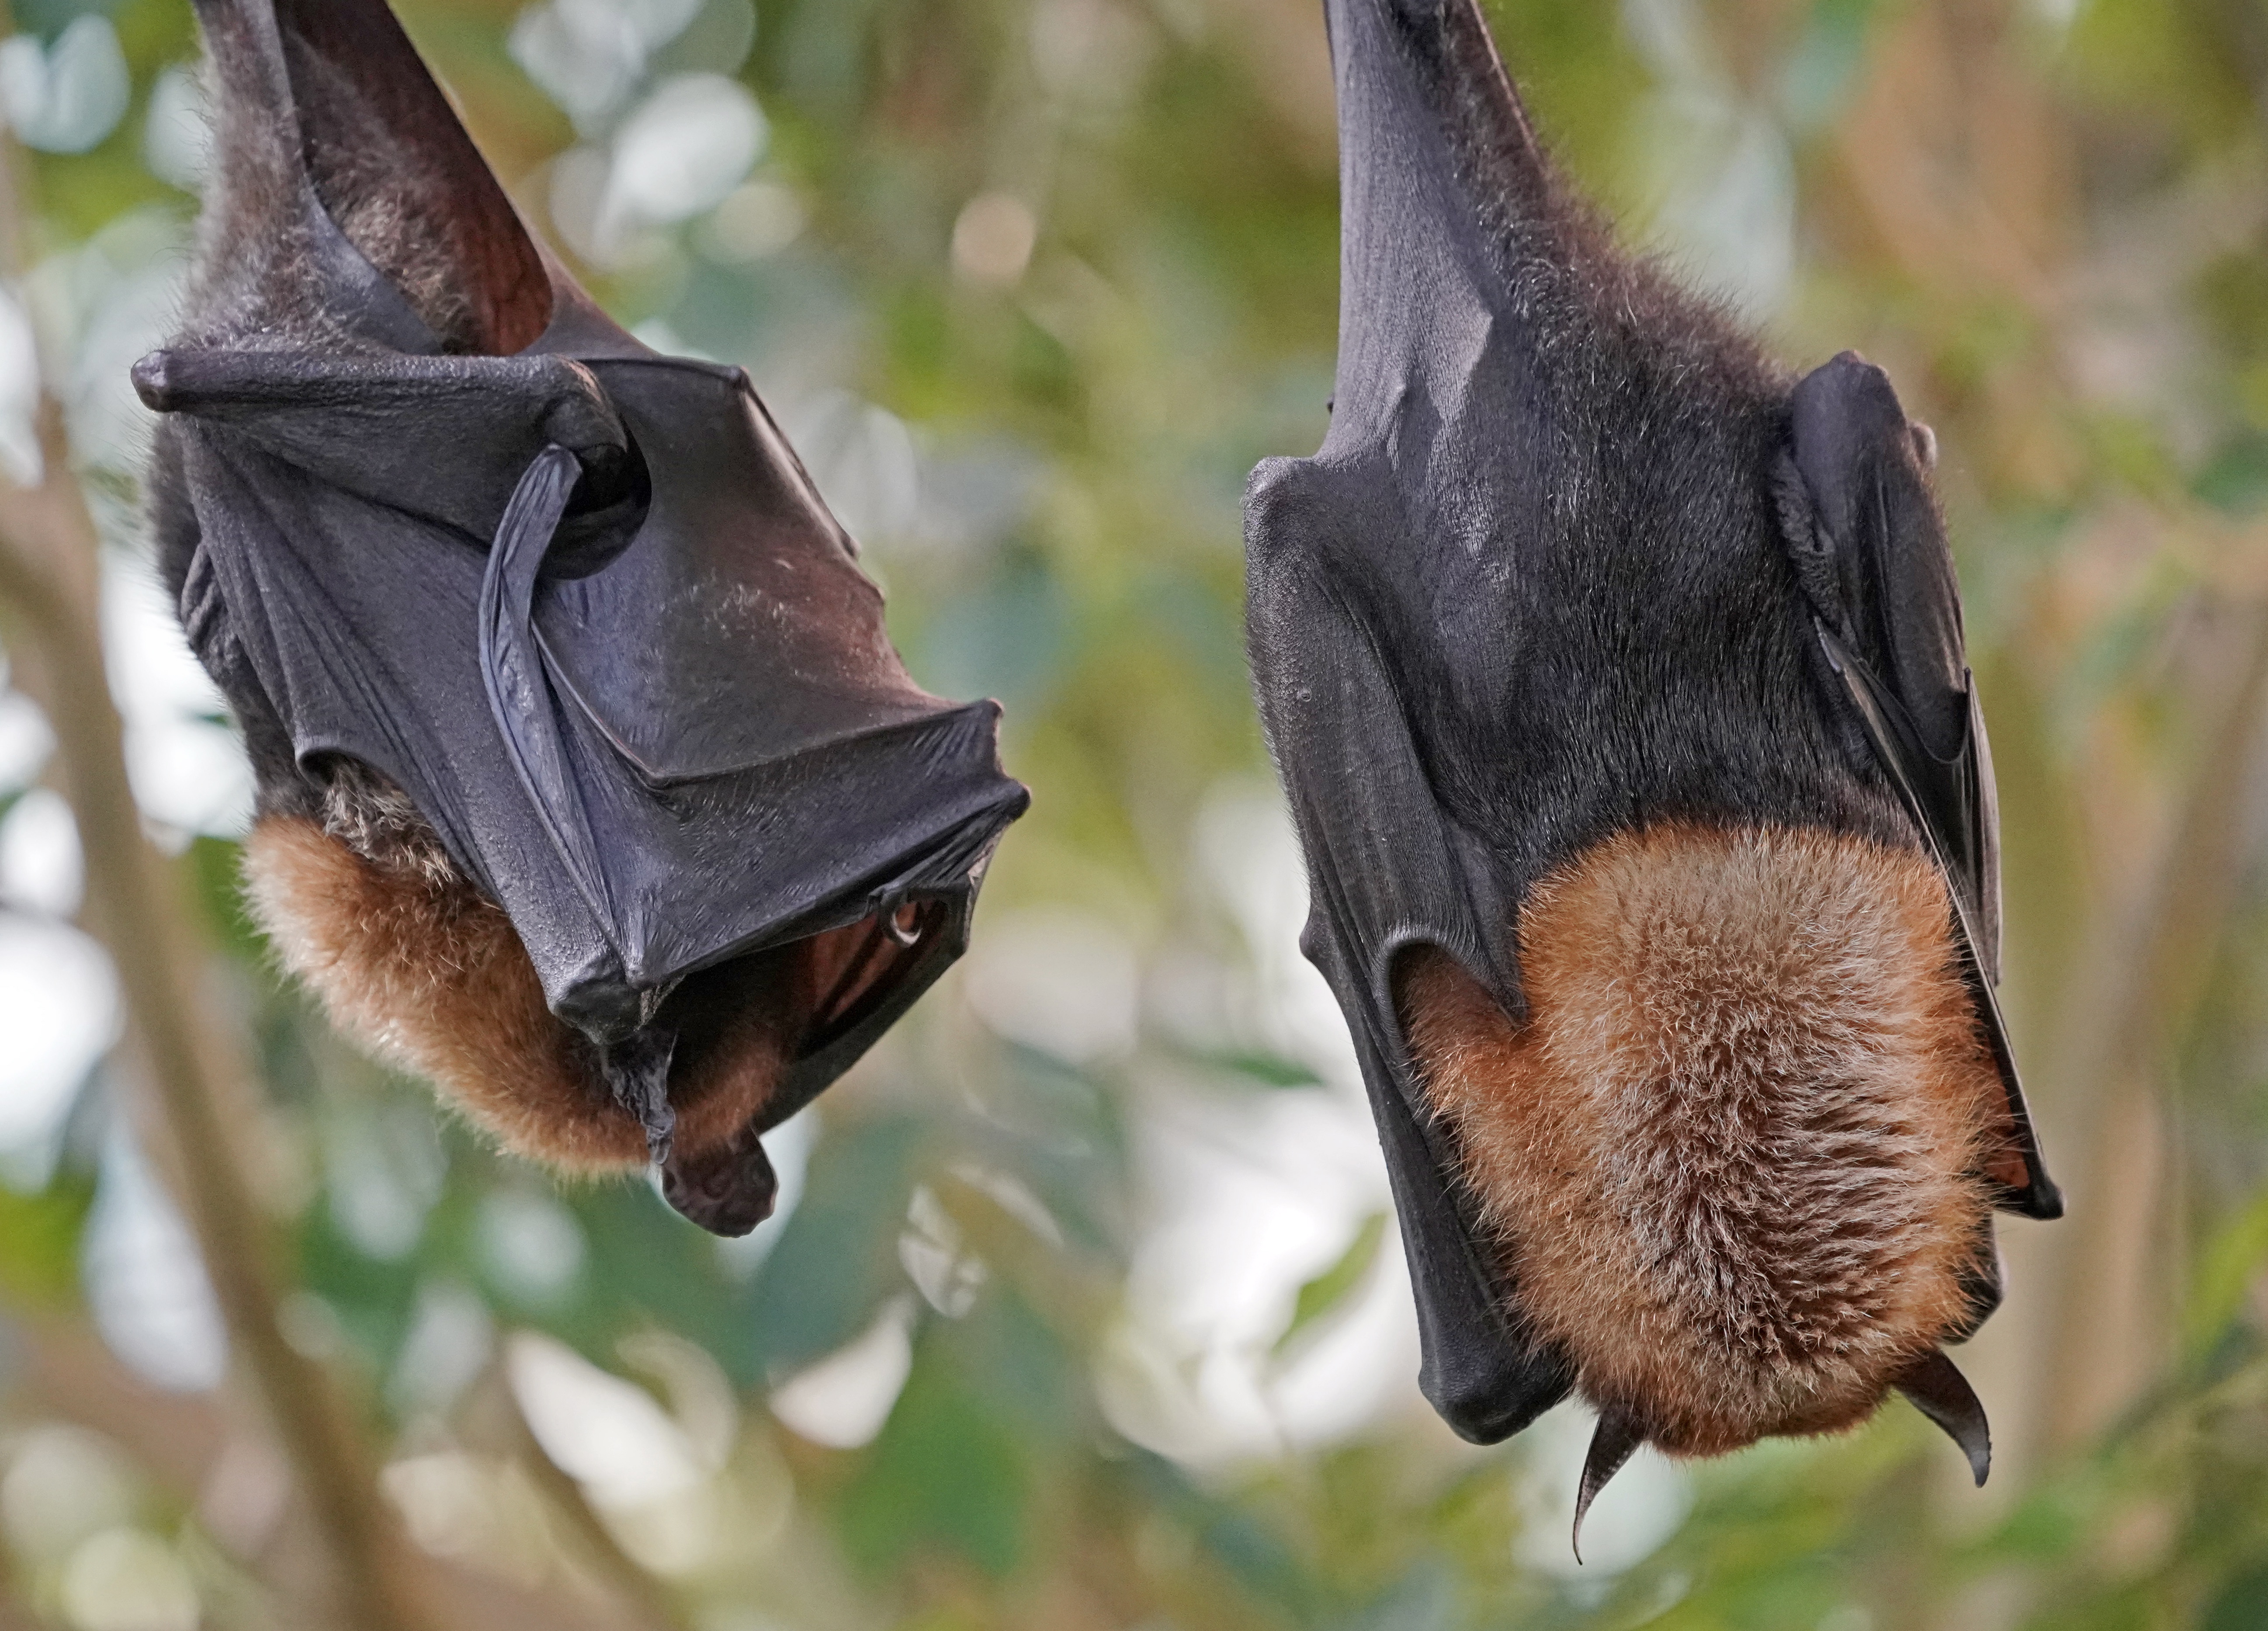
[
  {"x": 1616, "y": 680},
  {"x": 589, "y": 785}
]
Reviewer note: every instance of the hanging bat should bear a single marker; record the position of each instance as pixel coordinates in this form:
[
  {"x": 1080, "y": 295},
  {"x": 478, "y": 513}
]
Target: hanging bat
[
  {"x": 1615, "y": 680},
  {"x": 589, "y": 785}
]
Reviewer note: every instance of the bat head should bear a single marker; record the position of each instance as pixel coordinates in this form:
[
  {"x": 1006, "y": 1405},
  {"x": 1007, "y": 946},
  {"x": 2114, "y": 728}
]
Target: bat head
[
  {"x": 362, "y": 903},
  {"x": 1616, "y": 679},
  {"x": 1737, "y": 1156},
  {"x": 590, "y": 787}
]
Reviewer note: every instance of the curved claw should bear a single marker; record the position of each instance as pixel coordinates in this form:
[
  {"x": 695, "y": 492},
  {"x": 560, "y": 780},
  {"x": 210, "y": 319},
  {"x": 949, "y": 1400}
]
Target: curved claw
[
  {"x": 1940, "y": 1393},
  {"x": 1615, "y": 1440}
]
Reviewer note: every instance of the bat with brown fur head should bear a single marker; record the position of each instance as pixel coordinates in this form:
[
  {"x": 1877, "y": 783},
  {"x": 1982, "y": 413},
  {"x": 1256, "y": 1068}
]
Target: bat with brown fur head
[
  {"x": 1615, "y": 678},
  {"x": 590, "y": 785}
]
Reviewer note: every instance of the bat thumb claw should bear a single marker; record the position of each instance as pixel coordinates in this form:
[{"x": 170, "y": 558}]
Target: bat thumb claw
[
  {"x": 1615, "y": 1440},
  {"x": 1940, "y": 1393},
  {"x": 153, "y": 383}
]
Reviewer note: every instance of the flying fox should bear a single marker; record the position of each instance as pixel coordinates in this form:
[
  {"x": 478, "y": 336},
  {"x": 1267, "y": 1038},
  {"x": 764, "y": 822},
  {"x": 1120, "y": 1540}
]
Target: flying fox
[
  {"x": 1615, "y": 676},
  {"x": 589, "y": 784}
]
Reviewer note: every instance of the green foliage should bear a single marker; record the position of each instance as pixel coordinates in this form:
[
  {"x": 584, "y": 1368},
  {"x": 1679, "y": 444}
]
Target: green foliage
[
  {"x": 39, "y": 1241},
  {"x": 947, "y": 1475},
  {"x": 1328, "y": 1289},
  {"x": 2043, "y": 218}
]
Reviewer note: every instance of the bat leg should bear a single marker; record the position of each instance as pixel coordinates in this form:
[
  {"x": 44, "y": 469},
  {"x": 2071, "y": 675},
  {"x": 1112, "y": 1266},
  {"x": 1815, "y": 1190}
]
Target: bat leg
[{"x": 324, "y": 106}]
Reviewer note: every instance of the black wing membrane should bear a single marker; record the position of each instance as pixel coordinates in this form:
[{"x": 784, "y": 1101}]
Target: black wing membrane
[
  {"x": 1475, "y": 616},
  {"x": 578, "y": 600},
  {"x": 1384, "y": 872},
  {"x": 1336, "y": 573}
]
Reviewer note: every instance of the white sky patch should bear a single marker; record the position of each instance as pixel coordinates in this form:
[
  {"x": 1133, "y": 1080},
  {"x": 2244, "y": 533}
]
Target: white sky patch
[
  {"x": 864, "y": 461},
  {"x": 64, "y": 1484},
  {"x": 931, "y": 1252},
  {"x": 139, "y": 305},
  {"x": 176, "y": 132},
  {"x": 42, "y": 869},
  {"x": 19, "y": 395},
  {"x": 67, "y": 97},
  {"x": 1248, "y": 1196},
  {"x": 1064, "y": 981},
  {"x": 145, "y": 1282},
  {"x": 450, "y": 1337},
  {"x": 756, "y": 219},
  {"x": 25, "y": 742},
  {"x": 1249, "y": 854},
  {"x": 686, "y": 147},
  {"x": 59, "y": 1009},
  {"x": 1718, "y": 172},
  {"x": 188, "y": 771},
  {"x": 588, "y": 55},
  {"x": 681, "y": 151},
  {"x": 530, "y": 1244},
  {"x": 127, "y": 1580},
  {"x": 992, "y": 240}
]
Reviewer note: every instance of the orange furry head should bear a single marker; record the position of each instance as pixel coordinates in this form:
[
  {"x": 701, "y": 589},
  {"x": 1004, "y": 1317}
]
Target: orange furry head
[
  {"x": 415, "y": 964},
  {"x": 1736, "y": 1158}
]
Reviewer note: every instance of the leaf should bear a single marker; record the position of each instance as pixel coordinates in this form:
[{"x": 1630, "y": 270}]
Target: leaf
[
  {"x": 946, "y": 1475},
  {"x": 2244, "y": 1603},
  {"x": 837, "y": 1258},
  {"x": 2225, "y": 1270},
  {"x": 1270, "y": 1069},
  {"x": 1327, "y": 1290},
  {"x": 39, "y": 1240}
]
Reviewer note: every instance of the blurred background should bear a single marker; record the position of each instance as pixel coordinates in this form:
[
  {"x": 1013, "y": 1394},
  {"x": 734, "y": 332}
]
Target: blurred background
[{"x": 1083, "y": 1307}]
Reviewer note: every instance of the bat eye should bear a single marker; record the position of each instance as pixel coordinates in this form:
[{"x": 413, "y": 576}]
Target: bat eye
[
  {"x": 1925, "y": 444},
  {"x": 604, "y": 512}
]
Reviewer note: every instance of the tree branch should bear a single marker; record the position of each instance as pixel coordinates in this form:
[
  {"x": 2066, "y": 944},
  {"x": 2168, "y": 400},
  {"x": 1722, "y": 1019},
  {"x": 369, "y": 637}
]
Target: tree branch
[{"x": 49, "y": 579}]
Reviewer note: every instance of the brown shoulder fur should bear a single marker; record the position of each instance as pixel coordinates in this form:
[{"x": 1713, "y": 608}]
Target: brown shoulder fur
[{"x": 1734, "y": 1156}]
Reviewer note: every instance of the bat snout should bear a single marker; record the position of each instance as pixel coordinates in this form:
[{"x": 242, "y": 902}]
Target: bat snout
[
  {"x": 420, "y": 967},
  {"x": 1736, "y": 1162}
]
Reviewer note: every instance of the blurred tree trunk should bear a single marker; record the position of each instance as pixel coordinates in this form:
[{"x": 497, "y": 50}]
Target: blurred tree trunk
[{"x": 49, "y": 583}]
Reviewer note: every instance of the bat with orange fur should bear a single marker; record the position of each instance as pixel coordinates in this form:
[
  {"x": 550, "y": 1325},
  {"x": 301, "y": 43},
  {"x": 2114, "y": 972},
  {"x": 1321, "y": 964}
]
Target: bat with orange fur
[
  {"x": 1616, "y": 681},
  {"x": 590, "y": 785}
]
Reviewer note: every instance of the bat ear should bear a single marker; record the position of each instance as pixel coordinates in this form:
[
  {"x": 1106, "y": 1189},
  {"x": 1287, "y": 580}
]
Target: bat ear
[
  {"x": 1615, "y": 1440},
  {"x": 336, "y": 146},
  {"x": 1940, "y": 1393}
]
